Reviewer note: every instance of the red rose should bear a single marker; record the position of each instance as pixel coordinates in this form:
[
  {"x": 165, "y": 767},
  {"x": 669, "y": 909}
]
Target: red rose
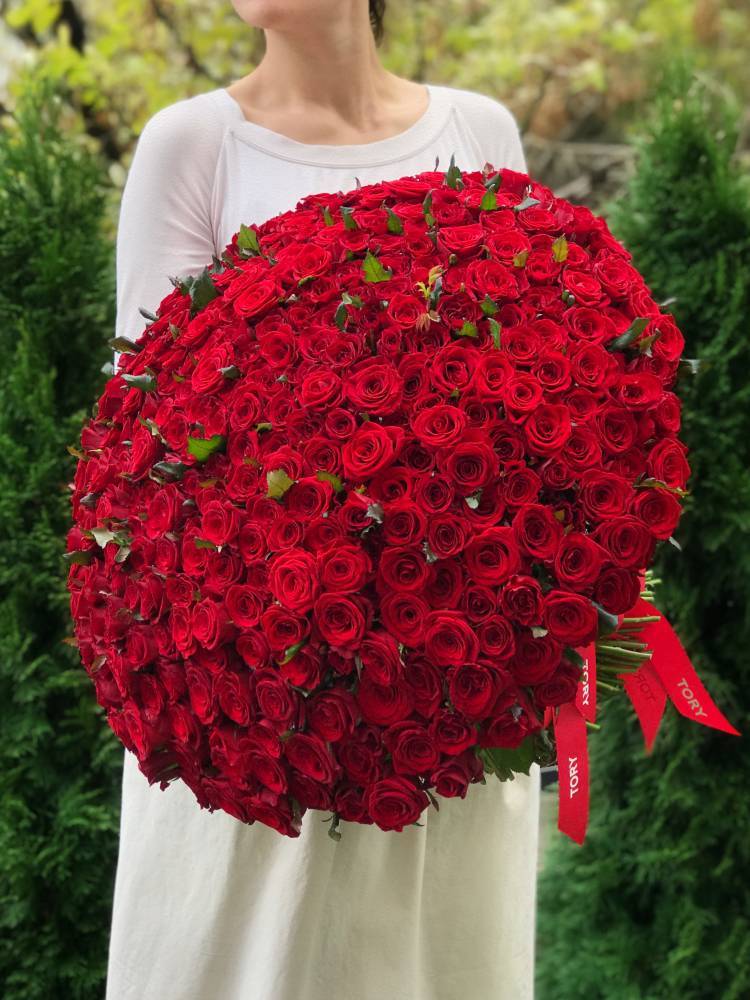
[
  {"x": 617, "y": 589},
  {"x": 537, "y": 530},
  {"x": 374, "y": 386},
  {"x": 470, "y": 465},
  {"x": 570, "y": 618},
  {"x": 521, "y": 599},
  {"x": 658, "y": 509},
  {"x": 412, "y": 748},
  {"x": 578, "y": 560},
  {"x": 534, "y": 659},
  {"x": 340, "y": 620},
  {"x": 383, "y": 704},
  {"x": 473, "y": 689},
  {"x": 449, "y": 639},
  {"x": 276, "y": 700},
  {"x": 439, "y": 426},
  {"x": 492, "y": 556},
  {"x": 293, "y": 580},
  {"x": 666, "y": 462},
  {"x": 452, "y": 779},
  {"x": 162, "y": 511},
  {"x": 497, "y": 640},
  {"x": 402, "y": 568},
  {"x": 425, "y": 682},
  {"x": 404, "y": 309},
  {"x": 628, "y": 541},
  {"x": 332, "y": 715},
  {"x": 560, "y": 688},
  {"x": 395, "y": 803},
  {"x": 308, "y": 754},
  {"x": 244, "y": 605},
  {"x": 344, "y": 568},
  {"x": 452, "y": 732},
  {"x": 372, "y": 448},
  {"x": 380, "y": 658},
  {"x": 257, "y": 298},
  {"x": 547, "y": 428},
  {"x": 403, "y": 615}
]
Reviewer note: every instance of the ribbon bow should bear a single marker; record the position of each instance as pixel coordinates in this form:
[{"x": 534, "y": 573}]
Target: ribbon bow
[{"x": 667, "y": 674}]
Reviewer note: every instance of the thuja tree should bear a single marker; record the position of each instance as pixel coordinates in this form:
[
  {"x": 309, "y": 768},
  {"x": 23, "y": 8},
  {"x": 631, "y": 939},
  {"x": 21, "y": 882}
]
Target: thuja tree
[
  {"x": 59, "y": 765},
  {"x": 656, "y": 904}
]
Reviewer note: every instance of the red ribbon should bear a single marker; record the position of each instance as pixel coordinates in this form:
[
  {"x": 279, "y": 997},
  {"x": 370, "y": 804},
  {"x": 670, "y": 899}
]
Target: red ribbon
[
  {"x": 667, "y": 674},
  {"x": 586, "y": 693},
  {"x": 649, "y": 698},
  {"x": 572, "y": 771},
  {"x": 671, "y": 666}
]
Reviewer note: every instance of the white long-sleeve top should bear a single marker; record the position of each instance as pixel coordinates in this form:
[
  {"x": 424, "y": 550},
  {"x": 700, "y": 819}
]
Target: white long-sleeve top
[{"x": 206, "y": 907}]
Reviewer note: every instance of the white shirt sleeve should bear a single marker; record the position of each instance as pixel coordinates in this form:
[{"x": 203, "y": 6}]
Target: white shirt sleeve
[
  {"x": 495, "y": 129},
  {"x": 164, "y": 228}
]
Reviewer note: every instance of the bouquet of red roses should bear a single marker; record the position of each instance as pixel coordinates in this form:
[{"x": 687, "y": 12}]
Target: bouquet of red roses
[{"x": 365, "y": 513}]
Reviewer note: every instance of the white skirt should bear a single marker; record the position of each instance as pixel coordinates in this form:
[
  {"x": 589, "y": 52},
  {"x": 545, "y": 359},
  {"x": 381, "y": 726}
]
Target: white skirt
[{"x": 209, "y": 908}]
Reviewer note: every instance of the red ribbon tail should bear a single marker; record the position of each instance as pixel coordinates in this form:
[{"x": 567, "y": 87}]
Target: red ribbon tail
[
  {"x": 649, "y": 699},
  {"x": 586, "y": 694},
  {"x": 573, "y": 772},
  {"x": 677, "y": 674}
]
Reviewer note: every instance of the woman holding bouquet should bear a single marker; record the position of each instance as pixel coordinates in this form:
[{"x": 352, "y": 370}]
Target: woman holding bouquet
[{"x": 207, "y": 907}]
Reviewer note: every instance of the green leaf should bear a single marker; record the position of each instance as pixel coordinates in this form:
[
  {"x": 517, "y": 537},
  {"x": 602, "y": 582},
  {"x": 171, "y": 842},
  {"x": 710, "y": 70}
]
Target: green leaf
[
  {"x": 81, "y": 557},
  {"x": 468, "y": 329},
  {"x": 145, "y": 382},
  {"x": 526, "y": 203},
  {"x": 204, "y": 543},
  {"x": 341, "y": 316},
  {"x": 123, "y": 345},
  {"x": 492, "y": 183},
  {"x": 102, "y": 535},
  {"x": 560, "y": 249},
  {"x": 489, "y": 306},
  {"x": 231, "y": 371},
  {"x": 573, "y": 655},
  {"x": 373, "y": 270},
  {"x": 495, "y": 327},
  {"x": 202, "y": 448},
  {"x": 428, "y": 553},
  {"x": 395, "y": 224},
  {"x": 349, "y": 221},
  {"x": 329, "y": 477},
  {"x": 426, "y": 209},
  {"x": 247, "y": 239},
  {"x": 375, "y": 511},
  {"x": 519, "y": 259},
  {"x": 453, "y": 176},
  {"x": 511, "y": 759},
  {"x": 291, "y": 652},
  {"x": 279, "y": 483},
  {"x": 170, "y": 470},
  {"x": 607, "y": 621},
  {"x": 202, "y": 291},
  {"x": 488, "y": 202},
  {"x": 327, "y": 217},
  {"x": 637, "y": 327},
  {"x": 145, "y": 313}
]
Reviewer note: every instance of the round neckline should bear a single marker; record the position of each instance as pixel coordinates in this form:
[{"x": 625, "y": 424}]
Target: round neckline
[{"x": 418, "y": 135}]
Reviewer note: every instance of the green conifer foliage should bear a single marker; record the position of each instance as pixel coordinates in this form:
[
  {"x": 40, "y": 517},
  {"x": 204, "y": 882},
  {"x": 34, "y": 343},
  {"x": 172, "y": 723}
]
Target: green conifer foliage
[
  {"x": 656, "y": 904},
  {"x": 60, "y": 765}
]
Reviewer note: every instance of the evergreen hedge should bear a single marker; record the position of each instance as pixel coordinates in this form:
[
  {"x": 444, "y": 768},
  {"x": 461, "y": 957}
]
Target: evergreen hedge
[
  {"x": 60, "y": 765},
  {"x": 656, "y": 904}
]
